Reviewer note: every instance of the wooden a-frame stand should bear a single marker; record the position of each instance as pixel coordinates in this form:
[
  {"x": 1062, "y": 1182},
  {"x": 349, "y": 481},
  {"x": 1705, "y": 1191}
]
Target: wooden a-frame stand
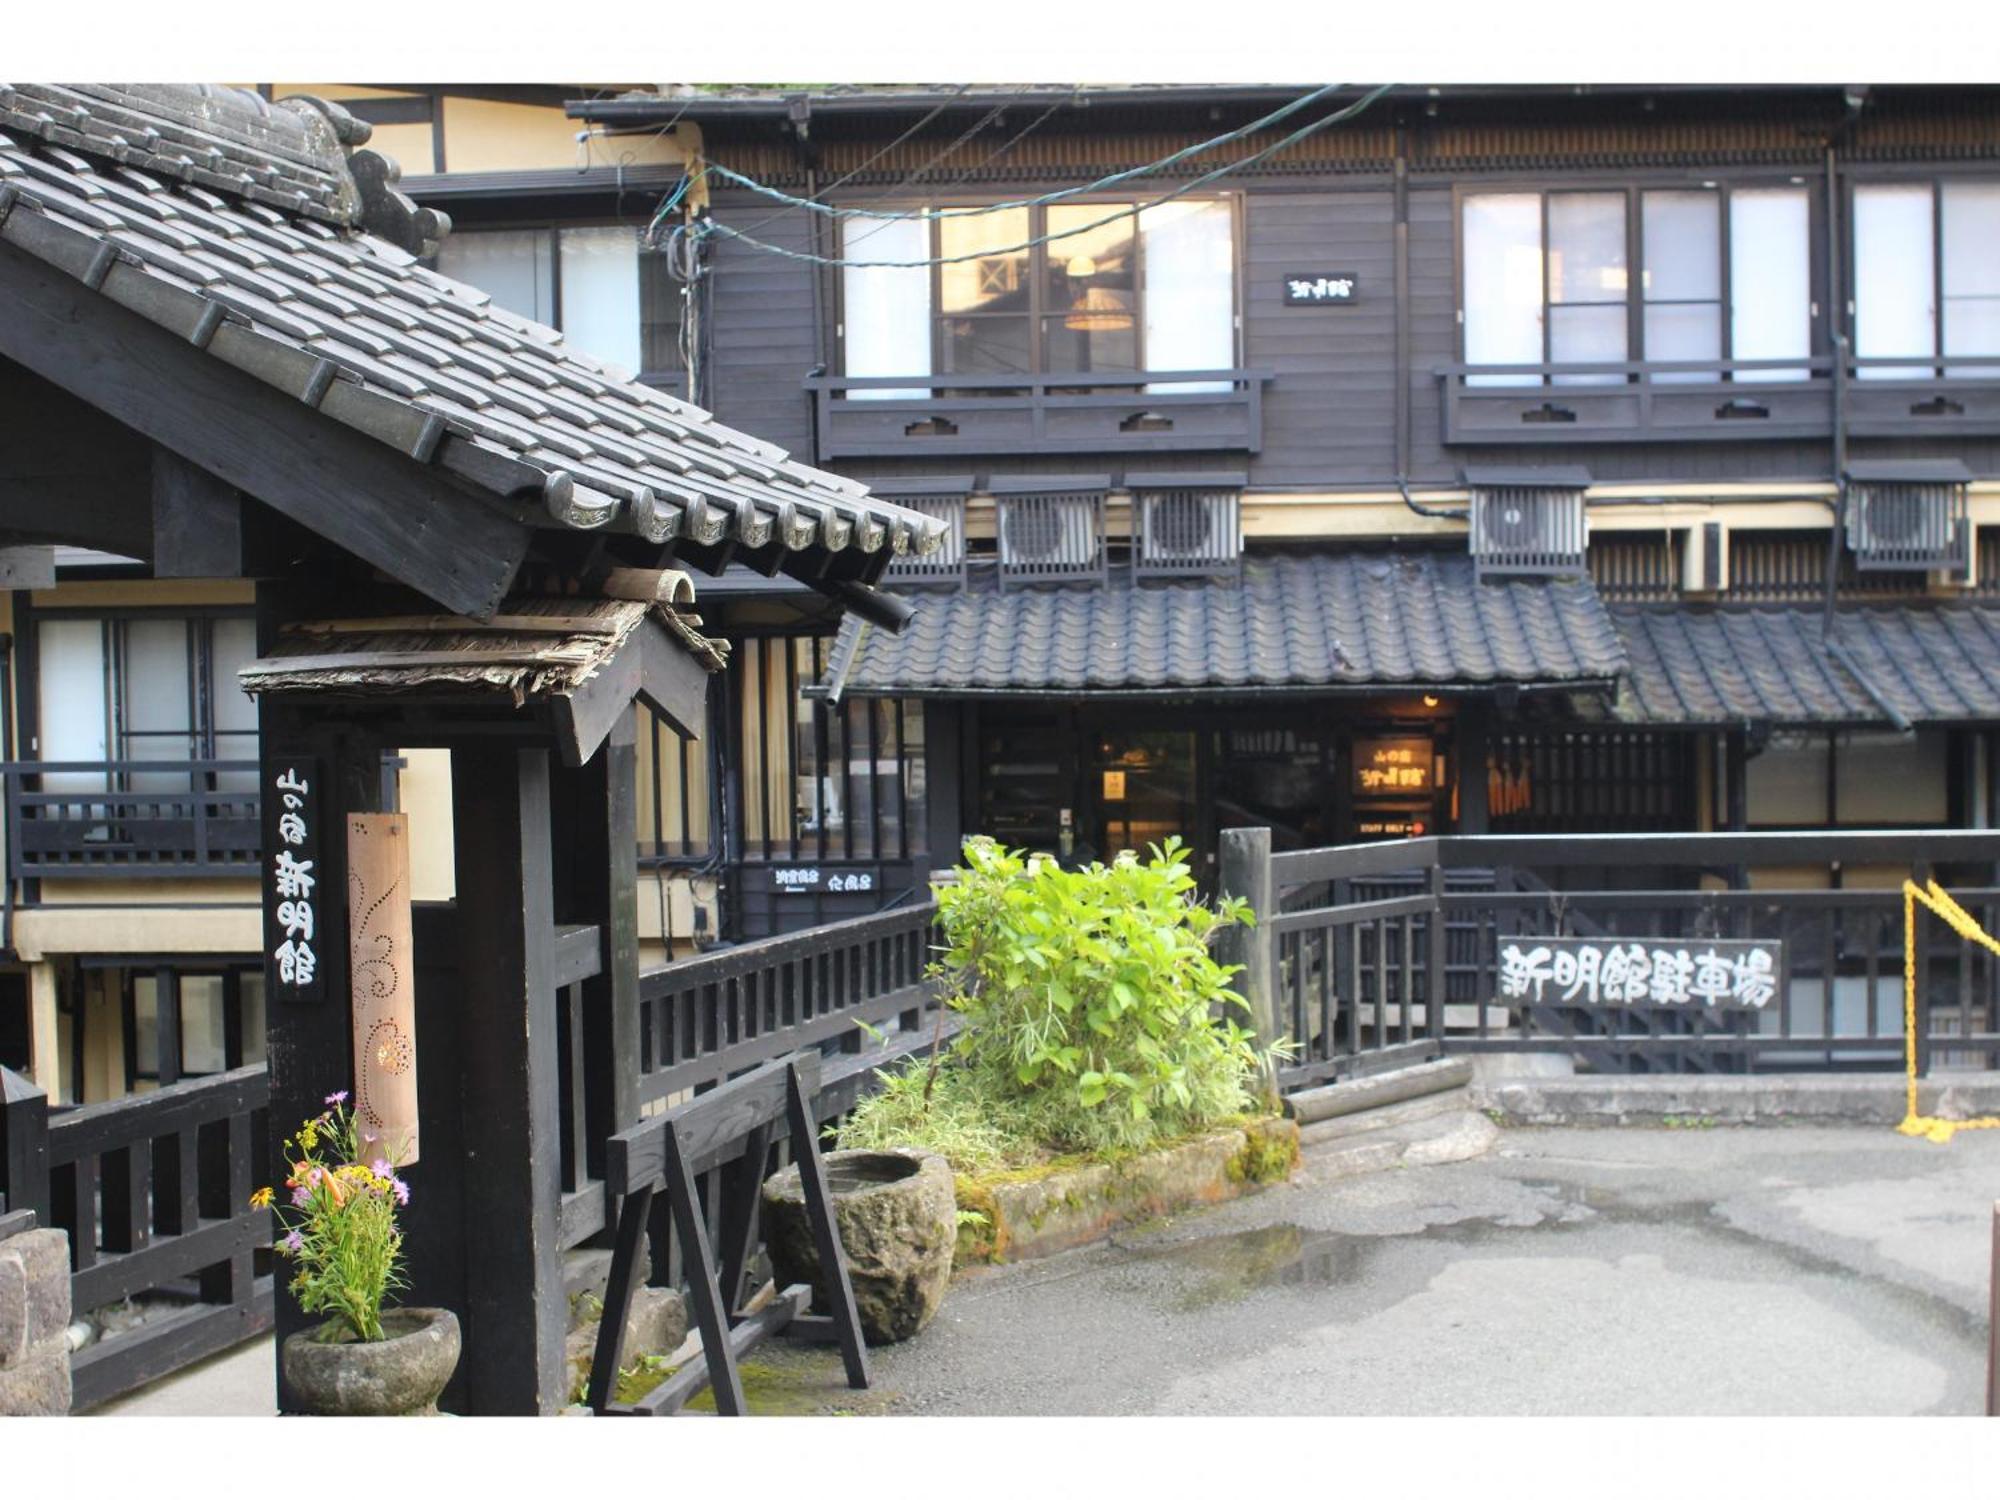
[{"x": 730, "y": 1125}]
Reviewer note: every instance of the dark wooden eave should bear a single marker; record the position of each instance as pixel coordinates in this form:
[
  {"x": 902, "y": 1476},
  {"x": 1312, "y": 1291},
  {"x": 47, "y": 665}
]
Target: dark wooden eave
[{"x": 403, "y": 517}]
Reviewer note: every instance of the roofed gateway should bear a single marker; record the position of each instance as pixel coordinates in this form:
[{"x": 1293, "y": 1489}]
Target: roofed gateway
[{"x": 225, "y": 356}]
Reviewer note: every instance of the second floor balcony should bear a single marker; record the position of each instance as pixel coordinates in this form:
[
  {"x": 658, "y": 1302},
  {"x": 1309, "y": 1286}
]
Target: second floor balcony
[
  {"x": 1182, "y": 411},
  {"x": 131, "y": 820},
  {"x": 1716, "y": 400}
]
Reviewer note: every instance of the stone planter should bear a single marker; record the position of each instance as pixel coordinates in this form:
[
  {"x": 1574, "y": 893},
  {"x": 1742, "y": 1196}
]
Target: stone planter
[
  {"x": 897, "y": 1216},
  {"x": 399, "y": 1377}
]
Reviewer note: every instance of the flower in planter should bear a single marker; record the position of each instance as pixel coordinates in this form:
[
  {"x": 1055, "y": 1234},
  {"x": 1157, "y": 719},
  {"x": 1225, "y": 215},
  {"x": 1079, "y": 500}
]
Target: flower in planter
[{"x": 340, "y": 1228}]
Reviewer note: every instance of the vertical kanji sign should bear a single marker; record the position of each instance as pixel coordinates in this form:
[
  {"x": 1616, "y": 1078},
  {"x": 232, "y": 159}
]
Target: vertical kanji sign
[{"x": 292, "y": 874}]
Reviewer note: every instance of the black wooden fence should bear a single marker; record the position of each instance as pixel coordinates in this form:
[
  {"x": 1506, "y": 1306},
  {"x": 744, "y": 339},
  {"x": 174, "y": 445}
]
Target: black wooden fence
[
  {"x": 1356, "y": 942},
  {"x": 153, "y": 1191}
]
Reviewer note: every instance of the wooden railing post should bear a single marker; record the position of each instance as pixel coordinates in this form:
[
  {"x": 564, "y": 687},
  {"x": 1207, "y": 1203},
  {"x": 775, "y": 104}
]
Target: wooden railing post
[
  {"x": 1921, "y": 873},
  {"x": 24, "y": 1145},
  {"x": 1246, "y": 872},
  {"x": 1434, "y": 955}
]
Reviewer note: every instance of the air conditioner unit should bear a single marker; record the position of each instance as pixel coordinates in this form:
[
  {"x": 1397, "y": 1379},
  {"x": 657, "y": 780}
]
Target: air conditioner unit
[
  {"x": 1528, "y": 529},
  {"x": 1180, "y": 526},
  {"x": 1050, "y": 534},
  {"x": 1908, "y": 517}
]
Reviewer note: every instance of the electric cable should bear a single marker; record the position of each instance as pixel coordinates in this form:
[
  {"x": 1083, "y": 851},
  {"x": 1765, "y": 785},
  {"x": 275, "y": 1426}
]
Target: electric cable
[
  {"x": 713, "y": 226},
  {"x": 1060, "y": 195}
]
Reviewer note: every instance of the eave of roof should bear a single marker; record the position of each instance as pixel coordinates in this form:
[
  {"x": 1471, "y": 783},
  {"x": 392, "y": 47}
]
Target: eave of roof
[
  {"x": 1320, "y": 623},
  {"x": 1694, "y": 667}
]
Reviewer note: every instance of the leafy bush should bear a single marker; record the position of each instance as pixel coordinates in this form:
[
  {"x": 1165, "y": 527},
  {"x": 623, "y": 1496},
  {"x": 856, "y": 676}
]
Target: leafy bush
[{"x": 1096, "y": 1018}]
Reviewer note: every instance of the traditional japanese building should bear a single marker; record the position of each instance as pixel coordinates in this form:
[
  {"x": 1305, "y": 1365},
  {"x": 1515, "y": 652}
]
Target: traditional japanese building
[{"x": 1511, "y": 459}]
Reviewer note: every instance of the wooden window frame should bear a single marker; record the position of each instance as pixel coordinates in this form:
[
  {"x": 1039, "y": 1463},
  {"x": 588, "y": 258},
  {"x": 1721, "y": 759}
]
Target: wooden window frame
[
  {"x": 1635, "y": 187},
  {"x": 1038, "y": 311},
  {"x": 1935, "y": 179}
]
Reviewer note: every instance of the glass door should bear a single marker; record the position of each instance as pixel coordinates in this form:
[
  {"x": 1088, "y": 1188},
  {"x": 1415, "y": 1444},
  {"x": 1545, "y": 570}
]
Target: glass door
[{"x": 1143, "y": 785}]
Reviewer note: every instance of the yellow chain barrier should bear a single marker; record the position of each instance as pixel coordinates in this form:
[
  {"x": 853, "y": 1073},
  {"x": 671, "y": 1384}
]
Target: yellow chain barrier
[{"x": 1960, "y": 921}]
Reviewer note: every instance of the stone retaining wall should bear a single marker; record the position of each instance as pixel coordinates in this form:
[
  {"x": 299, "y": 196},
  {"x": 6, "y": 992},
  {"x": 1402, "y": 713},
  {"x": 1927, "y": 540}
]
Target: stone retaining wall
[
  {"x": 1060, "y": 1209},
  {"x": 34, "y": 1324}
]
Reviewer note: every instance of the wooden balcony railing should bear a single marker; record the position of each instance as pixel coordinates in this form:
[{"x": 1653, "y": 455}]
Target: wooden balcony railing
[
  {"x": 1123, "y": 412},
  {"x": 1717, "y": 400},
  {"x": 131, "y": 819}
]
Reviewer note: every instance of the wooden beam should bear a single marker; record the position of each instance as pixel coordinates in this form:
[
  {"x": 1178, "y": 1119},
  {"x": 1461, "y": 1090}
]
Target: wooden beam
[
  {"x": 671, "y": 681},
  {"x": 27, "y": 567},
  {"x": 107, "y": 514},
  {"x": 364, "y": 496},
  {"x": 197, "y": 521},
  {"x": 601, "y": 700}
]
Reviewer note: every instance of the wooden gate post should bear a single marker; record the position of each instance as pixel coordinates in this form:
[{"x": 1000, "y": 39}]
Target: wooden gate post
[
  {"x": 602, "y": 833},
  {"x": 516, "y": 1313},
  {"x": 24, "y": 1145},
  {"x": 1246, "y": 872},
  {"x": 310, "y": 1032}
]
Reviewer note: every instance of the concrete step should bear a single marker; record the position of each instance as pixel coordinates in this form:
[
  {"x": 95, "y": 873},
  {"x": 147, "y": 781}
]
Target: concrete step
[
  {"x": 1353, "y": 1095},
  {"x": 1456, "y": 1135},
  {"x": 1387, "y": 1116}
]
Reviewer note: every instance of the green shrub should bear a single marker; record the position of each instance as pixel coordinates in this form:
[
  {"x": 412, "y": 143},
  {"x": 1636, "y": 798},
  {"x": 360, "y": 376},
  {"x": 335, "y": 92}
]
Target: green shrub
[{"x": 1096, "y": 1018}]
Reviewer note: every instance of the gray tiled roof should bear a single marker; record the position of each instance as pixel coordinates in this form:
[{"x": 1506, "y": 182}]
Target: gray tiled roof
[
  {"x": 1294, "y": 621},
  {"x": 232, "y": 223},
  {"x": 1710, "y": 666}
]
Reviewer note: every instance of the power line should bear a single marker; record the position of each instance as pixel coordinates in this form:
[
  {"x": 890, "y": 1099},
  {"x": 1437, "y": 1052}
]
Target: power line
[
  {"x": 846, "y": 177},
  {"x": 1124, "y": 211},
  {"x": 1227, "y": 138},
  {"x": 992, "y": 115}
]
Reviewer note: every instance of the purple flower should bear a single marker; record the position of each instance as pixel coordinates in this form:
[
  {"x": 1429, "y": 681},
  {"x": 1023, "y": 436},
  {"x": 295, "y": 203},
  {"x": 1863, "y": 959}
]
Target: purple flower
[
  {"x": 339, "y": 1098},
  {"x": 381, "y": 1168},
  {"x": 294, "y": 1242},
  {"x": 402, "y": 1191},
  {"x": 301, "y": 1196}
]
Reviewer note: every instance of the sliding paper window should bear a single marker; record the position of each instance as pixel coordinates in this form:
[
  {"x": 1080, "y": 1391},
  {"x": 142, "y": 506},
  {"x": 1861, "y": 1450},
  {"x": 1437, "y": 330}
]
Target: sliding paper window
[
  {"x": 824, "y": 781},
  {"x": 1926, "y": 279},
  {"x": 150, "y": 688},
  {"x": 1723, "y": 273}
]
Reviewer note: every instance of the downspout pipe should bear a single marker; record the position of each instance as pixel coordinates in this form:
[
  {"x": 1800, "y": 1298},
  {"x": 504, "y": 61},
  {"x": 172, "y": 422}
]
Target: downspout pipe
[{"x": 1856, "y": 96}]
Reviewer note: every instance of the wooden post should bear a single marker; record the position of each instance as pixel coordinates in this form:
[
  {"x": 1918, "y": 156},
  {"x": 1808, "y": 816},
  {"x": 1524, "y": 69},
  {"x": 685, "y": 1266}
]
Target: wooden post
[
  {"x": 515, "y": 1313},
  {"x": 24, "y": 1145},
  {"x": 310, "y": 1043},
  {"x": 603, "y": 841},
  {"x": 1434, "y": 953},
  {"x": 44, "y": 1025},
  {"x": 1246, "y": 872},
  {"x": 1474, "y": 749}
]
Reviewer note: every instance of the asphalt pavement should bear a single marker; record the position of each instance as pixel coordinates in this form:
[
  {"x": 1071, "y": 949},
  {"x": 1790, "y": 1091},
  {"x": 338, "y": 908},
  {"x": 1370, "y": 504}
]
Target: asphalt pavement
[{"x": 1719, "y": 1271}]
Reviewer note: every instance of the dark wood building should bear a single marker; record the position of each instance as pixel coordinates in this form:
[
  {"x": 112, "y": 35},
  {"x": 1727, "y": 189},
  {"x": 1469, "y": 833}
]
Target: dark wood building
[{"x": 1525, "y": 459}]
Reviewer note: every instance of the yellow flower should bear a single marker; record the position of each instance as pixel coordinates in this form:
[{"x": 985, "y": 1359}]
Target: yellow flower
[{"x": 261, "y": 1198}]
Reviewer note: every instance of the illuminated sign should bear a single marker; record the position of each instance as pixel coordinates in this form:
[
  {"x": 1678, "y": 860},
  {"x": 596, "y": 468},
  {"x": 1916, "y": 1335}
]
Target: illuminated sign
[{"x": 1394, "y": 768}]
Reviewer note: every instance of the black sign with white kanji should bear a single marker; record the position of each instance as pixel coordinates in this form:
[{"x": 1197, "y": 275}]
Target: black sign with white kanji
[
  {"x": 292, "y": 879},
  {"x": 1321, "y": 288}
]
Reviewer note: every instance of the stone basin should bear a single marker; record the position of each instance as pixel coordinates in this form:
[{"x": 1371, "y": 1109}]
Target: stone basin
[{"x": 897, "y": 1216}]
